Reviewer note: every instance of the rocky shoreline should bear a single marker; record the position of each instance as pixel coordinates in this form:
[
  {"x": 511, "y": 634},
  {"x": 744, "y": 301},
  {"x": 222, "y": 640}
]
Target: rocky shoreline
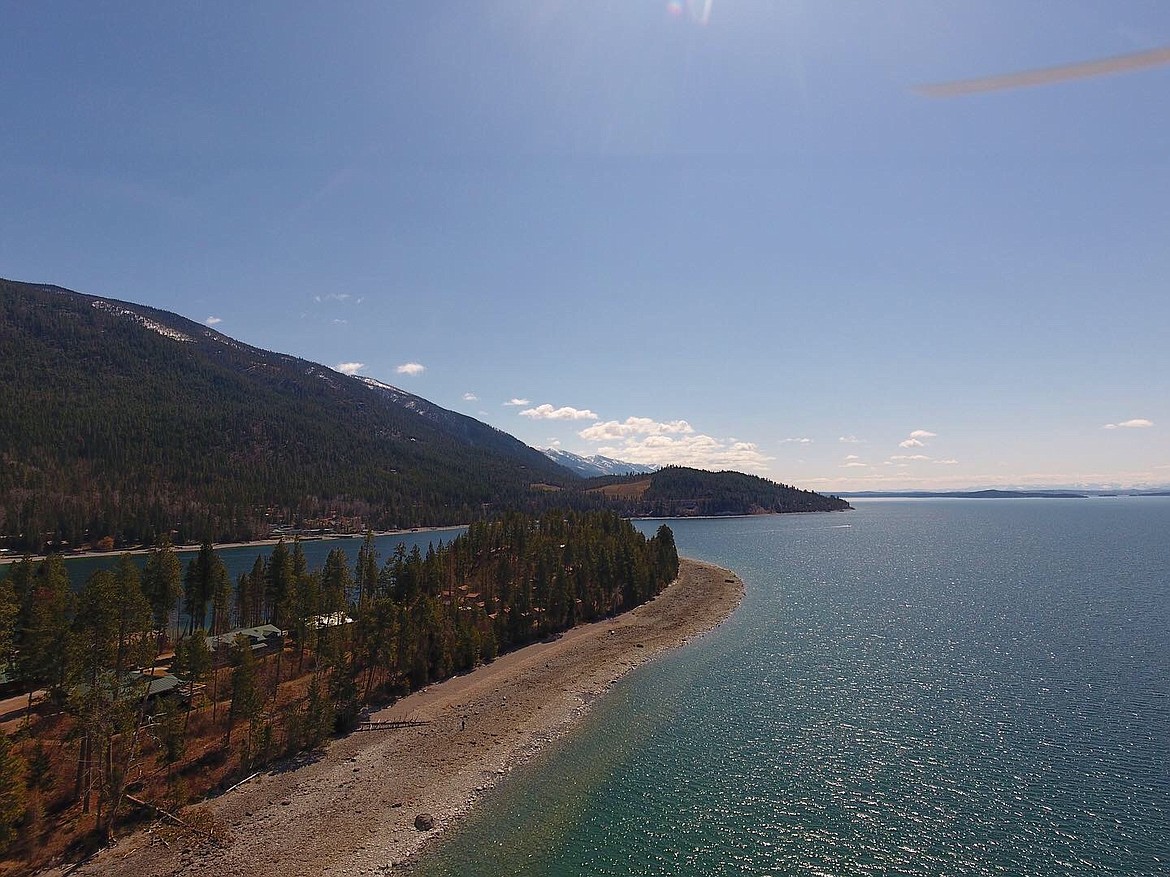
[{"x": 353, "y": 809}]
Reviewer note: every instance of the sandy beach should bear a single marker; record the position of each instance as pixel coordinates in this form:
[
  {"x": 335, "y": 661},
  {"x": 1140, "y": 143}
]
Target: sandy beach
[{"x": 352, "y": 810}]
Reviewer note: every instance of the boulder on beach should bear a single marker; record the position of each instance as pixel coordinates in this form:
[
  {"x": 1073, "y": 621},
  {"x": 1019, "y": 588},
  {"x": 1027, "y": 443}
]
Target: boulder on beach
[{"x": 424, "y": 822}]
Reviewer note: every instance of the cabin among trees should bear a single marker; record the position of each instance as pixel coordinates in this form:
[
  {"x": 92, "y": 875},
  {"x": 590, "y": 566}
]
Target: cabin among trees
[
  {"x": 263, "y": 639},
  {"x": 118, "y": 711}
]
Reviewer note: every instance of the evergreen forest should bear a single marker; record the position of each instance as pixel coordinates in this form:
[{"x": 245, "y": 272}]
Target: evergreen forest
[{"x": 153, "y": 696}]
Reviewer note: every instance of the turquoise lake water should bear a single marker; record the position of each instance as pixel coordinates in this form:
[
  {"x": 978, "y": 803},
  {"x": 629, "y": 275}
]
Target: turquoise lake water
[{"x": 925, "y": 687}]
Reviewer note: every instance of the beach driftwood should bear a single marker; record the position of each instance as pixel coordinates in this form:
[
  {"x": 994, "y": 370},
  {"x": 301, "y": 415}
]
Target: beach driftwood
[
  {"x": 207, "y": 835},
  {"x": 386, "y": 726}
]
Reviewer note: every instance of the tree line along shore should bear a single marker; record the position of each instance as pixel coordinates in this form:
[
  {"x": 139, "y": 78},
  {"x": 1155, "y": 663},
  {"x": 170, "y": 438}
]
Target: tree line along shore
[{"x": 157, "y": 685}]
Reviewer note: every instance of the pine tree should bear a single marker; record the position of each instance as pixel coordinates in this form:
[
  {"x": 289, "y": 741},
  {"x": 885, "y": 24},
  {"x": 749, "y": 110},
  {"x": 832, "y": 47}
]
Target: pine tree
[
  {"x": 278, "y": 584},
  {"x": 318, "y": 715},
  {"x": 162, "y": 583},
  {"x": 221, "y": 594},
  {"x": 246, "y": 696},
  {"x": 134, "y": 646},
  {"x": 193, "y": 662},
  {"x": 366, "y": 572},
  {"x": 197, "y": 587},
  {"x": 44, "y": 640},
  {"x": 250, "y": 594},
  {"x": 9, "y": 614},
  {"x": 336, "y": 582},
  {"x": 12, "y": 792},
  {"x": 112, "y": 632}
]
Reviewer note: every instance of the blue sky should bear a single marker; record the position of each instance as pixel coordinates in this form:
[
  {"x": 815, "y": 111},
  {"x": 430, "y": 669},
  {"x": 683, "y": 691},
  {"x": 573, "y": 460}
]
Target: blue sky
[{"x": 725, "y": 234}]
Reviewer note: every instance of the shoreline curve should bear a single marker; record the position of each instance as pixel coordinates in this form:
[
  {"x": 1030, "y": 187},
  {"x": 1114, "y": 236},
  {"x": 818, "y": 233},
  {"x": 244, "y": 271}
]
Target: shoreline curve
[{"x": 351, "y": 811}]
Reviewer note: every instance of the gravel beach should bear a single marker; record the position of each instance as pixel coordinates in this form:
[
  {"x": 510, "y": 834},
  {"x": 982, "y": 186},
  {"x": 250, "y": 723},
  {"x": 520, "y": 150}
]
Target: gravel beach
[{"x": 352, "y": 810}]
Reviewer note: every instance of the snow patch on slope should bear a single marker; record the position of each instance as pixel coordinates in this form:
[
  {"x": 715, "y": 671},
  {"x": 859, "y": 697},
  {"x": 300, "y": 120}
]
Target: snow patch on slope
[
  {"x": 145, "y": 322},
  {"x": 378, "y": 385},
  {"x": 595, "y": 464}
]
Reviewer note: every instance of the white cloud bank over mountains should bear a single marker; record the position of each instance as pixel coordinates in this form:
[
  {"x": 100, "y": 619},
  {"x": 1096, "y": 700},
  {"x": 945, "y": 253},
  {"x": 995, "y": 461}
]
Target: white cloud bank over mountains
[
  {"x": 548, "y": 412},
  {"x": 696, "y": 451},
  {"x": 672, "y": 443}
]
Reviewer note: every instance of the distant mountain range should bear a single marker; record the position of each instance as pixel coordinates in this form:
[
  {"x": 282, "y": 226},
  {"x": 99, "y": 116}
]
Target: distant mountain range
[
  {"x": 124, "y": 421},
  {"x": 595, "y": 465}
]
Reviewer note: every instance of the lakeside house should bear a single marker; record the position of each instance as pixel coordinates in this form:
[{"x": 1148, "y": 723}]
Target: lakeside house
[
  {"x": 135, "y": 685},
  {"x": 156, "y": 685},
  {"x": 261, "y": 640}
]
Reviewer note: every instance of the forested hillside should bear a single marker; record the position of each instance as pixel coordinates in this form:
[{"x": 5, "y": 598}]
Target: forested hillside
[
  {"x": 120, "y": 420},
  {"x": 678, "y": 492},
  {"x": 122, "y": 423}
]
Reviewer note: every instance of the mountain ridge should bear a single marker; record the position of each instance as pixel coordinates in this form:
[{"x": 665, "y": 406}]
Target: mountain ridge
[
  {"x": 130, "y": 421},
  {"x": 125, "y": 422},
  {"x": 595, "y": 465}
]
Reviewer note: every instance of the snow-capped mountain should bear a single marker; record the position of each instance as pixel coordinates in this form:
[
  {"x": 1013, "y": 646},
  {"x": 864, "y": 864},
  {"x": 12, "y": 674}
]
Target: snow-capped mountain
[{"x": 595, "y": 465}]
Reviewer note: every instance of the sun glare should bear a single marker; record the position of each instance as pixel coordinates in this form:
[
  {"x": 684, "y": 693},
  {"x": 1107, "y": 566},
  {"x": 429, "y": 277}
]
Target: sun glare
[{"x": 696, "y": 10}]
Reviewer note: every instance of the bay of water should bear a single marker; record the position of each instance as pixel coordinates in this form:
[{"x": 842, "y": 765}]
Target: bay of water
[
  {"x": 240, "y": 559},
  {"x": 925, "y": 687}
]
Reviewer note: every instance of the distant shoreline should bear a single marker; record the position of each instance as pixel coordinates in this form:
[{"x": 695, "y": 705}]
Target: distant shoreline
[
  {"x": 189, "y": 548},
  {"x": 352, "y": 811}
]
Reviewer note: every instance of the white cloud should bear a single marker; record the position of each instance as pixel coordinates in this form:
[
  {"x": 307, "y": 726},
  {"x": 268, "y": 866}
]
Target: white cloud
[
  {"x": 411, "y": 368},
  {"x": 916, "y": 439},
  {"x": 547, "y": 412},
  {"x": 951, "y": 462},
  {"x": 696, "y": 451},
  {"x": 673, "y": 443},
  {"x": 333, "y": 296},
  {"x": 902, "y": 457},
  {"x": 797, "y": 441},
  {"x": 349, "y": 368},
  {"x": 1136, "y": 423},
  {"x": 849, "y": 457},
  {"x": 470, "y": 397},
  {"x": 213, "y": 321},
  {"x": 854, "y": 464},
  {"x": 612, "y": 430},
  {"x": 517, "y": 402},
  {"x": 850, "y": 440}
]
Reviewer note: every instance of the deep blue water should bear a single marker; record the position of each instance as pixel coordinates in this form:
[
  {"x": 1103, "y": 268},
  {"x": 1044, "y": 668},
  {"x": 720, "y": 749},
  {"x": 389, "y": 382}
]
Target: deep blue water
[{"x": 925, "y": 687}]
